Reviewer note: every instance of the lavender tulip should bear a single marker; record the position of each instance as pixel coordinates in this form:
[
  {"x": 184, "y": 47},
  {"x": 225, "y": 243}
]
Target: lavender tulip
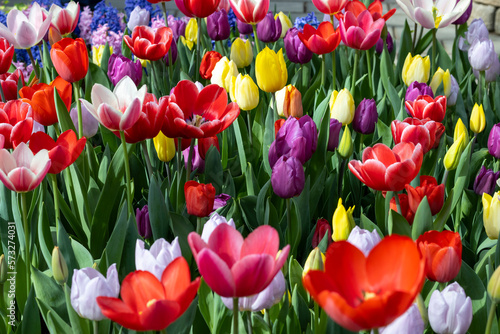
[
  {"x": 120, "y": 66},
  {"x": 364, "y": 239},
  {"x": 138, "y": 17},
  {"x": 218, "y": 26},
  {"x": 451, "y": 100},
  {"x": 87, "y": 285},
  {"x": 482, "y": 54},
  {"x": 295, "y": 50},
  {"x": 90, "y": 123},
  {"x": 214, "y": 221},
  {"x": 477, "y": 30},
  {"x": 491, "y": 74},
  {"x": 365, "y": 117},
  {"x": 485, "y": 181},
  {"x": 158, "y": 257},
  {"x": 494, "y": 141},
  {"x": 416, "y": 89},
  {"x": 269, "y": 29},
  {"x": 244, "y": 28},
  {"x": 173, "y": 49},
  {"x": 333, "y": 138},
  {"x": 465, "y": 16},
  {"x": 197, "y": 163},
  {"x": 143, "y": 223},
  {"x": 288, "y": 177},
  {"x": 379, "y": 47},
  {"x": 450, "y": 310},
  {"x": 410, "y": 322}
]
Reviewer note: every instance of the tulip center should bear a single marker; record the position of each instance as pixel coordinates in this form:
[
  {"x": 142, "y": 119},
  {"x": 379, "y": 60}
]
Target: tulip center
[
  {"x": 437, "y": 18},
  {"x": 196, "y": 120},
  {"x": 368, "y": 295},
  {"x": 151, "y": 302}
]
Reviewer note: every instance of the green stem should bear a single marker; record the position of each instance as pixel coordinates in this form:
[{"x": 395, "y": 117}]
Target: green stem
[
  {"x": 95, "y": 325},
  {"x": 56, "y": 200},
  {"x": 169, "y": 178},
  {"x": 127, "y": 175},
  {"x": 249, "y": 128},
  {"x": 354, "y": 70},
  {"x": 445, "y": 176},
  {"x": 434, "y": 50},
  {"x": 146, "y": 157},
  {"x": 254, "y": 26},
  {"x": 35, "y": 69},
  {"x": 235, "y": 315},
  {"x": 2, "y": 95},
  {"x": 480, "y": 90},
  {"x": 268, "y": 320},
  {"x": 473, "y": 144},
  {"x": 275, "y": 114},
  {"x": 341, "y": 176},
  {"x": 163, "y": 331},
  {"x": 199, "y": 225},
  {"x": 189, "y": 162},
  {"x": 222, "y": 49},
  {"x": 415, "y": 29},
  {"x": 165, "y": 17},
  {"x": 369, "y": 64},
  {"x": 76, "y": 86},
  {"x": 375, "y": 331},
  {"x": 249, "y": 323},
  {"x": 27, "y": 258},
  {"x": 361, "y": 143},
  {"x": 398, "y": 204},
  {"x": 491, "y": 317},
  {"x": 289, "y": 226},
  {"x": 198, "y": 50},
  {"x": 442, "y": 286},
  {"x": 323, "y": 70},
  {"x": 334, "y": 71}
]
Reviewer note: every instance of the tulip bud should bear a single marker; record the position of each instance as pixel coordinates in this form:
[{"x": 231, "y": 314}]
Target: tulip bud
[
  {"x": 164, "y": 146},
  {"x": 482, "y": 54},
  {"x": 450, "y": 310},
  {"x": 322, "y": 227},
  {"x": 285, "y": 23},
  {"x": 416, "y": 69},
  {"x": 494, "y": 141},
  {"x": 222, "y": 73},
  {"x": 345, "y": 148},
  {"x": 199, "y": 198},
  {"x": 143, "y": 223},
  {"x": 365, "y": 117},
  {"x": 241, "y": 52},
  {"x": 342, "y": 222},
  {"x": 120, "y": 66},
  {"x": 295, "y": 50},
  {"x": 342, "y": 106},
  {"x": 491, "y": 214},
  {"x": 477, "y": 119},
  {"x": 244, "y": 28},
  {"x": 289, "y": 102},
  {"x": 333, "y": 138},
  {"x": 364, "y": 239},
  {"x": 269, "y": 29},
  {"x": 210, "y": 59},
  {"x": 190, "y": 37},
  {"x": 97, "y": 52},
  {"x": 379, "y": 47},
  {"x": 454, "y": 91},
  {"x": 204, "y": 145},
  {"x": 218, "y": 25},
  {"x": 138, "y": 17},
  {"x": 59, "y": 267},
  {"x": 288, "y": 177},
  {"x": 3, "y": 269},
  {"x": 315, "y": 261},
  {"x": 494, "y": 286},
  {"x": 452, "y": 156},
  {"x": 460, "y": 130},
  {"x": 271, "y": 81},
  {"x": 244, "y": 92},
  {"x": 441, "y": 77},
  {"x": 415, "y": 89}
]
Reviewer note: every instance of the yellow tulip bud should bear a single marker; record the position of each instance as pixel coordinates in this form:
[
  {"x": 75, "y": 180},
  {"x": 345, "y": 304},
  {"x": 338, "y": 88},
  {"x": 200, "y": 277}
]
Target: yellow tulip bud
[
  {"x": 285, "y": 23},
  {"x": 494, "y": 286},
  {"x": 342, "y": 106},
  {"x": 491, "y": 214},
  {"x": 164, "y": 146},
  {"x": 289, "y": 102},
  {"x": 241, "y": 52},
  {"x": 270, "y": 70},
  {"x": 59, "y": 267},
  {"x": 416, "y": 69},
  {"x": 97, "y": 52},
  {"x": 460, "y": 129},
  {"x": 345, "y": 147},
  {"x": 3, "y": 269},
  {"x": 452, "y": 156},
  {"x": 342, "y": 222},
  {"x": 477, "y": 119},
  {"x": 244, "y": 92},
  {"x": 190, "y": 37},
  {"x": 441, "y": 77},
  {"x": 315, "y": 261},
  {"x": 222, "y": 73}
]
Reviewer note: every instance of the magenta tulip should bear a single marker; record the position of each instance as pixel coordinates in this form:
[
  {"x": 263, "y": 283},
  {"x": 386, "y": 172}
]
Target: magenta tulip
[{"x": 361, "y": 32}]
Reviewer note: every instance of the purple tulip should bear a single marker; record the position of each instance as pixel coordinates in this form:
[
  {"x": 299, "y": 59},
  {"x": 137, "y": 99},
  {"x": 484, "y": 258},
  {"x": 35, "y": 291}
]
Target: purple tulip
[
  {"x": 296, "y": 51},
  {"x": 143, "y": 223},
  {"x": 244, "y": 28},
  {"x": 178, "y": 28},
  {"x": 451, "y": 100},
  {"x": 218, "y": 25},
  {"x": 221, "y": 200},
  {"x": 196, "y": 162},
  {"x": 296, "y": 138},
  {"x": 416, "y": 89},
  {"x": 465, "y": 16},
  {"x": 485, "y": 181},
  {"x": 379, "y": 47},
  {"x": 120, "y": 66},
  {"x": 365, "y": 117},
  {"x": 269, "y": 29},
  {"x": 494, "y": 141},
  {"x": 173, "y": 49},
  {"x": 333, "y": 138},
  {"x": 288, "y": 177},
  {"x": 482, "y": 54},
  {"x": 477, "y": 30}
]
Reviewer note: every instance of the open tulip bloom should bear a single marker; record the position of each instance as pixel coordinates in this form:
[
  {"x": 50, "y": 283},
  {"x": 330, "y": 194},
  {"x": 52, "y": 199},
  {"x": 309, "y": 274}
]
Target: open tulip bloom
[{"x": 432, "y": 14}]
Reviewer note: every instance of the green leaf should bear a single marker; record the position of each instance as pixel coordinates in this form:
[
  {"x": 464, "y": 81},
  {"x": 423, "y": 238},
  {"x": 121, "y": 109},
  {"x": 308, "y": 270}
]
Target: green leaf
[
  {"x": 398, "y": 225},
  {"x": 182, "y": 227},
  {"x": 183, "y": 324},
  {"x": 423, "y": 219},
  {"x": 82, "y": 255},
  {"x": 295, "y": 277},
  {"x": 105, "y": 58},
  {"x": 213, "y": 169},
  {"x": 31, "y": 313},
  {"x": 78, "y": 324},
  {"x": 49, "y": 292},
  {"x": 158, "y": 212},
  {"x": 63, "y": 116}
]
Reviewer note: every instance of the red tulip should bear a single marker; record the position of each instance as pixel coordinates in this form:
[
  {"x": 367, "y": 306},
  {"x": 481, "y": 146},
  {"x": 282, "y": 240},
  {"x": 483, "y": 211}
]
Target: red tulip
[
  {"x": 208, "y": 64},
  {"x": 322, "y": 227},
  {"x": 204, "y": 145},
  {"x": 362, "y": 293},
  {"x": 250, "y": 11},
  {"x": 198, "y": 114},
  {"x": 151, "y": 305},
  {"x": 41, "y": 98},
  {"x": 199, "y": 198},
  {"x": 70, "y": 58},
  {"x": 427, "y": 107},
  {"x": 443, "y": 254},
  {"x": 330, "y": 7},
  {"x": 146, "y": 43},
  {"x": 201, "y": 8},
  {"x": 237, "y": 267},
  {"x": 375, "y": 8},
  {"x": 6, "y": 54},
  {"x": 413, "y": 130},
  {"x": 361, "y": 31},
  {"x": 388, "y": 170},
  {"x": 9, "y": 83},
  {"x": 323, "y": 40},
  {"x": 404, "y": 206},
  {"x": 430, "y": 188},
  {"x": 16, "y": 122},
  {"x": 62, "y": 152}
]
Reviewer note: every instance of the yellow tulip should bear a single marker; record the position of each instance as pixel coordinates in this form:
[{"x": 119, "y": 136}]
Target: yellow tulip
[
  {"x": 222, "y": 73},
  {"x": 164, "y": 146},
  {"x": 241, "y": 52},
  {"x": 97, "y": 53},
  {"x": 342, "y": 106},
  {"x": 270, "y": 70},
  {"x": 441, "y": 77},
  {"x": 460, "y": 129},
  {"x": 345, "y": 147},
  {"x": 416, "y": 69},
  {"x": 477, "y": 119},
  {"x": 289, "y": 102},
  {"x": 244, "y": 92},
  {"x": 452, "y": 156},
  {"x": 315, "y": 261},
  {"x": 494, "y": 285},
  {"x": 190, "y": 37},
  {"x": 342, "y": 222},
  {"x": 285, "y": 23},
  {"x": 491, "y": 214}
]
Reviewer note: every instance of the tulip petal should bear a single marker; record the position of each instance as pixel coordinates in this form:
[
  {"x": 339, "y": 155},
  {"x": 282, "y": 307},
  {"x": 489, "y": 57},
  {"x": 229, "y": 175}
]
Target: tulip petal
[
  {"x": 424, "y": 18},
  {"x": 263, "y": 240},
  {"x": 158, "y": 315},
  {"x": 109, "y": 117},
  {"x": 131, "y": 114},
  {"x": 100, "y": 95},
  {"x": 227, "y": 243},
  {"x": 216, "y": 273},
  {"x": 116, "y": 310},
  {"x": 140, "y": 288},
  {"x": 252, "y": 274},
  {"x": 373, "y": 173}
]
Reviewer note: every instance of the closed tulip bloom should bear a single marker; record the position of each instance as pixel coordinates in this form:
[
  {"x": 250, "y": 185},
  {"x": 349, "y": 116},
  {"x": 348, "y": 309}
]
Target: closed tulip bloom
[
  {"x": 342, "y": 106},
  {"x": 6, "y": 55},
  {"x": 158, "y": 257},
  {"x": 432, "y": 14},
  {"x": 491, "y": 74},
  {"x": 491, "y": 214},
  {"x": 360, "y": 32},
  {"x": 87, "y": 285},
  {"x": 164, "y": 146},
  {"x": 345, "y": 148},
  {"x": 288, "y": 177},
  {"x": 482, "y": 54},
  {"x": 9, "y": 83},
  {"x": 452, "y": 156},
  {"x": 460, "y": 130},
  {"x": 270, "y": 70},
  {"x": 214, "y": 221},
  {"x": 218, "y": 26},
  {"x": 427, "y": 107},
  {"x": 320, "y": 41},
  {"x": 315, "y": 261},
  {"x": 289, "y": 102},
  {"x": 485, "y": 181},
  {"x": 143, "y": 222},
  {"x": 199, "y": 198},
  {"x": 204, "y": 145},
  {"x": 250, "y": 11},
  {"x": 90, "y": 124},
  {"x": 441, "y": 77},
  {"x": 365, "y": 117},
  {"x": 493, "y": 285},
  {"x": 244, "y": 28},
  {"x": 244, "y": 92},
  {"x": 342, "y": 222},
  {"x": 120, "y": 66},
  {"x": 208, "y": 63},
  {"x": 70, "y": 58},
  {"x": 222, "y": 73},
  {"x": 330, "y": 7},
  {"x": 477, "y": 119},
  {"x": 364, "y": 240},
  {"x": 285, "y": 23},
  {"x": 416, "y": 69},
  {"x": 138, "y": 17},
  {"x": 59, "y": 266},
  {"x": 333, "y": 138},
  {"x": 200, "y": 8},
  {"x": 415, "y": 89},
  {"x": 413, "y": 130},
  {"x": 241, "y": 52},
  {"x": 65, "y": 20},
  {"x": 379, "y": 47},
  {"x": 451, "y": 99},
  {"x": 494, "y": 141},
  {"x": 322, "y": 227},
  {"x": 190, "y": 38},
  {"x": 16, "y": 123},
  {"x": 237, "y": 267},
  {"x": 146, "y": 43},
  {"x": 410, "y": 322},
  {"x": 178, "y": 29},
  {"x": 450, "y": 310},
  {"x": 269, "y": 29},
  {"x": 295, "y": 50}
]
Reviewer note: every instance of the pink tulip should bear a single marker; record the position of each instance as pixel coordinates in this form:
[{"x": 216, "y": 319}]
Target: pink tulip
[
  {"x": 65, "y": 19},
  {"x": 22, "y": 171},
  {"x": 237, "y": 267},
  {"x": 118, "y": 110},
  {"x": 250, "y": 11},
  {"x": 360, "y": 32}
]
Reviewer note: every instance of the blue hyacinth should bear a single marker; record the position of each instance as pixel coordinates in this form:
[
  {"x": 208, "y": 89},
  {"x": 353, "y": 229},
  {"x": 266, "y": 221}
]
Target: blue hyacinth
[
  {"x": 232, "y": 19},
  {"x": 105, "y": 15},
  {"x": 22, "y": 55},
  {"x": 47, "y": 3},
  {"x": 310, "y": 18},
  {"x": 3, "y": 18}
]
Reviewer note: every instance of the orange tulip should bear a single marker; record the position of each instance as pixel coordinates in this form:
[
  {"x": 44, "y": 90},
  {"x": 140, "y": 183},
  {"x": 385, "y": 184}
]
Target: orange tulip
[
  {"x": 70, "y": 58},
  {"x": 41, "y": 98},
  {"x": 361, "y": 293}
]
